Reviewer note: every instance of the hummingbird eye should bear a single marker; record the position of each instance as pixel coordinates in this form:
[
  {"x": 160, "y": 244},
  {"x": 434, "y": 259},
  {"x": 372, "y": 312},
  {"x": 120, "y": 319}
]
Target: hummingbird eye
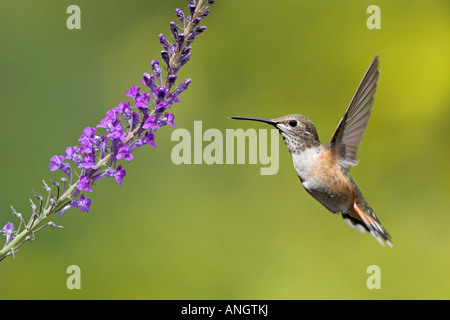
[{"x": 293, "y": 123}]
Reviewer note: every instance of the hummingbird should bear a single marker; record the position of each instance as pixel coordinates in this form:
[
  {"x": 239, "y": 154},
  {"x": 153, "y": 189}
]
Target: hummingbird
[{"x": 324, "y": 170}]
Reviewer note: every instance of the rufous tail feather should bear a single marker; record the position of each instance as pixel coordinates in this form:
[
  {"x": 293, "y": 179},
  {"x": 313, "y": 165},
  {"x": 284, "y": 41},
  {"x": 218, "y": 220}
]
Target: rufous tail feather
[{"x": 357, "y": 218}]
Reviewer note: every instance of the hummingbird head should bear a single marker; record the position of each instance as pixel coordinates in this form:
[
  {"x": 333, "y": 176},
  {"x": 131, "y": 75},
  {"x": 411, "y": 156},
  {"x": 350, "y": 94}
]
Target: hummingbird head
[{"x": 298, "y": 132}]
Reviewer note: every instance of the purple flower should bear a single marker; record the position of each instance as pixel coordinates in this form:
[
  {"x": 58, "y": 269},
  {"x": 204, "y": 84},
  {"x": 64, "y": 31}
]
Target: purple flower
[
  {"x": 186, "y": 50},
  {"x": 84, "y": 205},
  {"x": 192, "y": 9},
  {"x": 56, "y": 162},
  {"x": 180, "y": 15},
  {"x": 133, "y": 92},
  {"x": 164, "y": 41},
  {"x": 143, "y": 100},
  {"x": 110, "y": 119},
  {"x": 171, "y": 80},
  {"x": 161, "y": 106},
  {"x": 149, "y": 81},
  {"x": 165, "y": 56},
  {"x": 204, "y": 13},
  {"x": 184, "y": 59},
  {"x": 84, "y": 184},
  {"x": 119, "y": 174},
  {"x": 162, "y": 92},
  {"x": 116, "y": 132},
  {"x": 88, "y": 162},
  {"x": 180, "y": 40},
  {"x": 72, "y": 153},
  {"x": 88, "y": 133},
  {"x": 8, "y": 232},
  {"x": 149, "y": 138},
  {"x": 168, "y": 119},
  {"x": 175, "y": 30},
  {"x": 156, "y": 69},
  {"x": 197, "y": 21},
  {"x": 124, "y": 107},
  {"x": 182, "y": 86},
  {"x": 86, "y": 146},
  {"x": 150, "y": 122},
  {"x": 196, "y": 32},
  {"x": 124, "y": 152}
]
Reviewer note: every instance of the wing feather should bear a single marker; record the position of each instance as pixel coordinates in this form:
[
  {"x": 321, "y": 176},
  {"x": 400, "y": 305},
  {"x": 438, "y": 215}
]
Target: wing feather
[{"x": 351, "y": 128}]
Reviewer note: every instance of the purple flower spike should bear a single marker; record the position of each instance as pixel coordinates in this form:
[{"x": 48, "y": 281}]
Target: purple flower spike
[{"x": 125, "y": 127}]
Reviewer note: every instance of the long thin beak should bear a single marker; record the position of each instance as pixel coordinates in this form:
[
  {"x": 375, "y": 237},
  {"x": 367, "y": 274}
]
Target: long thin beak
[{"x": 256, "y": 119}]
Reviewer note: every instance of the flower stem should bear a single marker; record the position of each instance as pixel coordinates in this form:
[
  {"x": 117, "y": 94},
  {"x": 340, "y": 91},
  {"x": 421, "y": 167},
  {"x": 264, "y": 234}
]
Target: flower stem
[{"x": 17, "y": 241}]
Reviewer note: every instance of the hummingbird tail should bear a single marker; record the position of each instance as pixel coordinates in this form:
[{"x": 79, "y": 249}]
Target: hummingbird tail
[{"x": 365, "y": 219}]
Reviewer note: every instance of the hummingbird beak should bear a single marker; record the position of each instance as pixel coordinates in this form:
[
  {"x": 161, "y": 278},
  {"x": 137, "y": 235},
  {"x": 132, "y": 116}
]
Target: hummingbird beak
[{"x": 272, "y": 122}]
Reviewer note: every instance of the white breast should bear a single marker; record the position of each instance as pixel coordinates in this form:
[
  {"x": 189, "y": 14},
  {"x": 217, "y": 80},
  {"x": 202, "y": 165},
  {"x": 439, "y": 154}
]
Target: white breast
[{"x": 305, "y": 161}]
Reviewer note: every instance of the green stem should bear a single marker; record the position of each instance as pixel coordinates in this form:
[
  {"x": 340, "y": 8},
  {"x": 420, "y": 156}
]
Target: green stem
[
  {"x": 28, "y": 232},
  {"x": 20, "y": 238}
]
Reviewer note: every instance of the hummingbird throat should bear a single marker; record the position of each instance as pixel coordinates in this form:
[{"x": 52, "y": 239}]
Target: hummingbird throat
[{"x": 298, "y": 144}]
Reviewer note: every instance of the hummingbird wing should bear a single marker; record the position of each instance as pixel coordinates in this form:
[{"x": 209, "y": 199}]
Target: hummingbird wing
[{"x": 350, "y": 130}]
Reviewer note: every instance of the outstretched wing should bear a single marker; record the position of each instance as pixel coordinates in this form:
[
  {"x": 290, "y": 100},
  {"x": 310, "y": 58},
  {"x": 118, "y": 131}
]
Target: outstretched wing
[{"x": 350, "y": 130}]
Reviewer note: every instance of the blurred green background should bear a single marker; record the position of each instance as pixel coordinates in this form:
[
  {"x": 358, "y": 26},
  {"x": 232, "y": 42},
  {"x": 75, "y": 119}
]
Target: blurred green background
[{"x": 225, "y": 231}]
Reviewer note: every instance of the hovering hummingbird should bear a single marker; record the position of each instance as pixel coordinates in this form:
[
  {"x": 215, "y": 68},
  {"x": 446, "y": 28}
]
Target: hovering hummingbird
[{"x": 323, "y": 170}]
